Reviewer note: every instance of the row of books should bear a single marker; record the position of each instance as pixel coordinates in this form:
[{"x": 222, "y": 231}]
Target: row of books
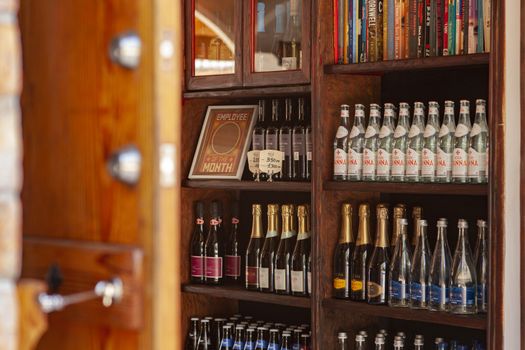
[{"x": 377, "y": 30}]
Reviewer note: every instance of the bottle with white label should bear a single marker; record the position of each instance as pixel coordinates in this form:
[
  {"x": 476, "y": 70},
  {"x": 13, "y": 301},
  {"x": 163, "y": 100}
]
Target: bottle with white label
[
  {"x": 431, "y": 138},
  {"x": 283, "y": 258},
  {"x": 399, "y": 275},
  {"x": 420, "y": 270},
  {"x": 272, "y": 130},
  {"x": 301, "y": 253},
  {"x": 415, "y": 144},
  {"x": 384, "y": 152},
  {"x": 285, "y": 141},
  {"x": 400, "y": 144},
  {"x": 461, "y": 144},
  {"x": 259, "y": 134},
  {"x": 267, "y": 259},
  {"x": 355, "y": 144},
  {"x": 440, "y": 270},
  {"x": 341, "y": 145},
  {"x": 479, "y": 144},
  {"x": 446, "y": 145},
  {"x": 371, "y": 143}
]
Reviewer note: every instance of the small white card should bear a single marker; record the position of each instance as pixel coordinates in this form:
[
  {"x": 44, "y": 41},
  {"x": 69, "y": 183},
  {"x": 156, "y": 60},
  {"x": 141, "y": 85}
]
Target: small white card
[{"x": 271, "y": 161}]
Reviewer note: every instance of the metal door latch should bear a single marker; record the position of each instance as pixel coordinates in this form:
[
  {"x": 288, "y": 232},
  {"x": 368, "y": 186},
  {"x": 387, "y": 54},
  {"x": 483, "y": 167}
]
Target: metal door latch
[
  {"x": 125, "y": 165},
  {"x": 126, "y": 49},
  {"x": 109, "y": 291}
]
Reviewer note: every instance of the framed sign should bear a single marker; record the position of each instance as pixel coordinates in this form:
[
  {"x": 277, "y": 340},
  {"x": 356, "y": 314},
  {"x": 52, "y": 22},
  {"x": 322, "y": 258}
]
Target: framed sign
[{"x": 223, "y": 142}]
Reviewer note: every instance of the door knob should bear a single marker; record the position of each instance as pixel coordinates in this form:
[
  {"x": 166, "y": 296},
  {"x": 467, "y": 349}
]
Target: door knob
[
  {"x": 125, "y": 50},
  {"x": 125, "y": 165}
]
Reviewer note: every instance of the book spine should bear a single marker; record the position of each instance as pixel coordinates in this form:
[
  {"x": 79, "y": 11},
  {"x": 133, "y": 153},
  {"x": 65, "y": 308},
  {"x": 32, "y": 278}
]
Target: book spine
[
  {"x": 428, "y": 33},
  {"x": 459, "y": 26},
  {"x": 433, "y": 29},
  {"x": 440, "y": 26},
  {"x": 391, "y": 15},
  {"x": 340, "y": 30},
  {"x": 336, "y": 29},
  {"x": 397, "y": 30},
  {"x": 345, "y": 31},
  {"x": 372, "y": 30},
  {"x": 385, "y": 30},
  {"x": 445, "y": 28},
  {"x": 486, "y": 24},
  {"x": 406, "y": 29},
  {"x": 379, "y": 28},
  {"x": 465, "y": 22},
  {"x": 481, "y": 32},
  {"x": 356, "y": 30},
  {"x": 451, "y": 27},
  {"x": 364, "y": 32},
  {"x": 359, "y": 51},
  {"x": 420, "y": 28},
  {"x": 412, "y": 26},
  {"x": 473, "y": 31},
  {"x": 350, "y": 33}
]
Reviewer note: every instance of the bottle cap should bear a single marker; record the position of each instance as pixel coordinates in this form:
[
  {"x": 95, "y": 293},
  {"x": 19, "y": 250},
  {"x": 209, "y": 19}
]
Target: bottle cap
[
  {"x": 401, "y": 334},
  {"x": 256, "y": 209},
  {"x": 301, "y": 210},
  {"x": 273, "y": 209},
  {"x": 438, "y": 340},
  {"x": 346, "y": 209},
  {"x": 482, "y": 223},
  {"x": 363, "y": 333},
  {"x": 380, "y": 339},
  {"x": 464, "y": 102},
  {"x": 227, "y": 326},
  {"x": 285, "y": 211},
  {"x": 417, "y": 212},
  {"x": 462, "y": 223},
  {"x": 286, "y": 335},
  {"x": 359, "y": 338},
  {"x": 305, "y": 335},
  {"x": 382, "y": 211},
  {"x": 449, "y": 103},
  {"x": 342, "y": 335},
  {"x": 400, "y": 211},
  {"x": 422, "y": 222},
  {"x": 364, "y": 209},
  {"x": 274, "y": 330},
  {"x": 419, "y": 336},
  {"x": 418, "y": 342},
  {"x": 250, "y": 330},
  {"x": 383, "y": 331},
  {"x": 205, "y": 321},
  {"x": 239, "y": 327}
]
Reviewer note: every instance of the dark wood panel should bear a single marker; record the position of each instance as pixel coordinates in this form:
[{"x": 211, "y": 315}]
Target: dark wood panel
[
  {"x": 249, "y": 185},
  {"x": 522, "y": 171},
  {"x": 405, "y": 187},
  {"x": 269, "y": 91}
]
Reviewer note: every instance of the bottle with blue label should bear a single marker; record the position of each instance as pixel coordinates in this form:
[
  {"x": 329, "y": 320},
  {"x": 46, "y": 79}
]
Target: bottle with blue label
[
  {"x": 296, "y": 344},
  {"x": 420, "y": 271},
  {"x": 482, "y": 267},
  {"x": 227, "y": 339},
  {"x": 440, "y": 267},
  {"x": 273, "y": 344},
  {"x": 238, "y": 342},
  {"x": 249, "y": 344},
  {"x": 464, "y": 281},
  {"x": 261, "y": 343},
  {"x": 286, "y": 342},
  {"x": 399, "y": 275}
]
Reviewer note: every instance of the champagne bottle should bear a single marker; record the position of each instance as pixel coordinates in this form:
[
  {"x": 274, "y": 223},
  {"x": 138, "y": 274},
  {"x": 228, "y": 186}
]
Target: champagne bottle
[
  {"x": 380, "y": 260},
  {"x": 267, "y": 259},
  {"x": 400, "y": 212},
  {"x": 233, "y": 255},
  {"x": 415, "y": 144},
  {"x": 283, "y": 258},
  {"x": 299, "y": 144},
  {"x": 440, "y": 270},
  {"x": 214, "y": 248},
  {"x": 431, "y": 138},
  {"x": 399, "y": 275},
  {"x": 300, "y": 255},
  {"x": 285, "y": 141},
  {"x": 420, "y": 270},
  {"x": 361, "y": 256},
  {"x": 417, "y": 214},
  {"x": 400, "y": 143},
  {"x": 198, "y": 243},
  {"x": 384, "y": 152},
  {"x": 253, "y": 250},
  {"x": 341, "y": 146},
  {"x": 482, "y": 266},
  {"x": 355, "y": 144},
  {"x": 343, "y": 254},
  {"x": 193, "y": 335},
  {"x": 371, "y": 143},
  {"x": 446, "y": 144},
  {"x": 461, "y": 144}
]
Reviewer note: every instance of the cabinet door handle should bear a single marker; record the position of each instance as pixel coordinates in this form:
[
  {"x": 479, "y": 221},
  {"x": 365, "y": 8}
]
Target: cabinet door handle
[
  {"x": 126, "y": 49},
  {"x": 125, "y": 165}
]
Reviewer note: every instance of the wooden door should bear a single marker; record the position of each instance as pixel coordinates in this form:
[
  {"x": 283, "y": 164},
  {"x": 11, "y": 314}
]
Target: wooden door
[{"x": 80, "y": 108}]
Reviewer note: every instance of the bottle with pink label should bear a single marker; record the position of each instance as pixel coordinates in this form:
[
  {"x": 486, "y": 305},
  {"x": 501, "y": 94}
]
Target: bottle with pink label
[
  {"x": 415, "y": 144},
  {"x": 232, "y": 253},
  {"x": 198, "y": 241},
  {"x": 479, "y": 145},
  {"x": 431, "y": 138},
  {"x": 214, "y": 249},
  {"x": 341, "y": 145},
  {"x": 461, "y": 144}
]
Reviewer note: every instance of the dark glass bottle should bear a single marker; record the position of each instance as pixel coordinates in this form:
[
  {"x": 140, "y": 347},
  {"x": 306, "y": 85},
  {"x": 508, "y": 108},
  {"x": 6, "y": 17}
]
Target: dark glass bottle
[
  {"x": 267, "y": 259},
  {"x": 309, "y": 146},
  {"x": 213, "y": 260},
  {"x": 300, "y": 255},
  {"x": 238, "y": 343},
  {"x": 232, "y": 254},
  {"x": 272, "y": 130},
  {"x": 204, "y": 342},
  {"x": 380, "y": 260},
  {"x": 227, "y": 339},
  {"x": 299, "y": 144},
  {"x": 259, "y": 134},
  {"x": 283, "y": 257},
  {"x": 285, "y": 141},
  {"x": 250, "y": 339},
  {"x": 305, "y": 342},
  {"x": 198, "y": 243},
  {"x": 343, "y": 254},
  {"x": 273, "y": 344},
  {"x": 286, "y": 341},
  {"x": 361, "y": 256},
  {"x": 481, "y": 260},
  {"x": 253, "y": 250},
  {"x": 193, "y": 336},
  {"x": 262, "y": 342}
]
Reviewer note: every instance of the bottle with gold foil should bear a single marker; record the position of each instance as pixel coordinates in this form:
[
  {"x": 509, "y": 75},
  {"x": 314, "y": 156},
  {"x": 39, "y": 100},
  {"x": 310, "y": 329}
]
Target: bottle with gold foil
[
  {"x": 253, "y": 250},
  {"x": 267, "y": 258},
  {"x": 343, "y": 254},
  {"x": 400, "y": 212},
  {"x": 379, "y": 261},
  {"x": 301, "y": 253},
  {"x": 283, "y": 258},
  {"x": 417, "y": 214},
  {"x": 361, "y": 256}
]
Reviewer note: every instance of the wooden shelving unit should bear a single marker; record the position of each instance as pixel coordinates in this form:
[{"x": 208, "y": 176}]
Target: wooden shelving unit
[
  {"x": 408, "y": 188},
  {"x": 276, "y": 186},
  {"x": 250, "y": 92}
]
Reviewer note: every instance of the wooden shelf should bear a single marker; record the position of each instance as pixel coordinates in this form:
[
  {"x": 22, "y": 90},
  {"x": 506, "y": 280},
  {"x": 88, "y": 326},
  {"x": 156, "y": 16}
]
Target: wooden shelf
[
  {"x": 276, "y": 186},
  {"x": 250, "y": 92},
  {"x": 405, "y": 187},
  {"x": 239, "y": 293},
  {"x": 478, "y": 321},
  {"x": 413, "y": 64}
]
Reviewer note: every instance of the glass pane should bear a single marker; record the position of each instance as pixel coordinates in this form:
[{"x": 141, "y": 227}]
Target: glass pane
[
  {"x": 278, "y": 33},
  {"x": 214, "y": 37}
]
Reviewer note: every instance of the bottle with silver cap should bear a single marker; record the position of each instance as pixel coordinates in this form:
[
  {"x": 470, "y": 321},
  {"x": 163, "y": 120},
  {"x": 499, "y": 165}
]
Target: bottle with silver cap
[
  {"x": 481, "y": 259},
  {"x": 461, "y": 144},
  {"x": 193, "y": 336},
  {"x": 355, "y": 144},
  {"x": 341, "y": 145},
  {"x": 286, "y": 341},
  {"x": 360, "y": 342},
  {"x": 273, "y": 344},
  {"x": 440, "y": 267},
  {"x": 420, "y": 270},
  {"x": 342, "y": 341},
  {"x": 463, "y": 285},
  {"x": 400, "y": 143},
  {"x": 479, "y": 144},
  {"x": 249, "y": 344},
  {"x": 431, "y": 138},
  {"x": 384, "y": 152},
  {"x": 371, "y": 143},
  {"x": 415, "y": 144},
  {"x": 446, "y": 144},
  {"x": 419, "y": 342},
  {"x": 380, "y": 342},
  {"x": 399, "y": 343},
  {"x": 399, "y": 274}
]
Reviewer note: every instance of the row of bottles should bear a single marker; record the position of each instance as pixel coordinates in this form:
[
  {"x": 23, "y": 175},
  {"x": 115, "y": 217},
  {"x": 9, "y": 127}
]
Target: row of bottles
[
  {"x": 383, "y": 340},
  {"x": 399, "y": 151},
  {"x": 244, "y": 333},
  {"x": 388, "y": 273},
  {"x": 290, "y": 134}
]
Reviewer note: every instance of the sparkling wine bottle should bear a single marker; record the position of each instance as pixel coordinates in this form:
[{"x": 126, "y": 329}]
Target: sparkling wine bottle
[
  {"x": 361, "y": 256},
  {"x": 299, "y": 273},
  {"x": 283, "y": 257},
  {"x": 269, "y": 248},
  {"x": 343, "y": 254},
  {"x": 380, "y": 260},
  {"x": 252, "y": 261},
  {"x": 285, "y": 141},
  {"x": 400, "y": 212},
  {"x": 214, "y": 248}
]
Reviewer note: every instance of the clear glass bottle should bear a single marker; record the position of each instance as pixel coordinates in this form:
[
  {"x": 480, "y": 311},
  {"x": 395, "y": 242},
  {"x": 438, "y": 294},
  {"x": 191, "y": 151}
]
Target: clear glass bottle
[
  {"x": 204, "y": 342},
  {"x": 343, "y": 255},
  {"x": 386, "y": 136},
  {"x": 371, "y": 143},
  {"x": 400, "y": 141},
  {"x": 479, "y": 144},
  {"x": 482, "y": 267},
  {"x": 341, "y": 145},
  {"x": 262, "y": 341},
  {"x": 355, "y": 144},
  {"x": 431, "y": 139},
  {"x": 400, "y": 212},
  {"x": 417, "y": 214},
  {"x": 238, "y": 342},
  {"x": 461, "y": 144},
  {"x": 380, "y": 342},
  {"x": 415, "y": 144},
  {"x": 463, "y": 285},
  {"x": 399, "y": 274},
  {"x": 273, "y": 344},
  {"x": 249, "y": 344},
  {"x": 420, "y": 270},
  {"x": 286, "y": 341},
  {"x": 342, "y": 341},
  {"x": 440, "y": 269},
  {"x": 269, "y": 248},
  {"x": 446, "y": 145},
  {"x": 193, "y": 336},
  {"x": 360, "y": 342},
  {"x": 399, "y": 343},
  {"x": 419, "y": 343},
  {"x": 227, "y": 339}
]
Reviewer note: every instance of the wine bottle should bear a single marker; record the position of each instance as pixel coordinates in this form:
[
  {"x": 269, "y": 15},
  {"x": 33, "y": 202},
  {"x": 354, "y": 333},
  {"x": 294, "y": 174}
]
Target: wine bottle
[
  {"x": 283, "y": 258},
  {"x": 193, "y": 336},
  {"x": 299, "y": 273},
  {"x": 253, "y": 250},
  {"x": 309, "y": 147},
  {"x": 420, "y": 270},
  {"x": 269, "y": 248},
  {"x": 417, "y": 214},
  {"x": 343, "y": 254},
  {"x": 361, "y": 256},
  {"x": 204, "y": 342},
  {"x": 259, "y": 134},
  {"x": 419, "y": 343},
  {"x": 440, "y": 267},
  {"x": 198, "y": 243},
  {"x": 272, "y": 130},
  {"x": 214, "y": 248},
  {"x": 481, "y": 258},
  {"x": 233, "y": 255},
  {"x": 400, "y": 212},
  {"x": 227, "y": 339},
  {"x": 238, "y": 342},
  {"x": 380, "y": 261},
  {"x": 299, "y": 144},
  {"x": 399, "y": 275},
  {"x": 285, "y": 141}
]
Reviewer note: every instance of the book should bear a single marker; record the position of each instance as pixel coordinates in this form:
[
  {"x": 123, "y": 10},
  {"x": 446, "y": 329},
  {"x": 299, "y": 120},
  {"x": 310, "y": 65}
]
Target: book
[
  {"x": 445, "y": 27},
  {"x": 340, "y": 29},
  {"x": 465, "y": 24},
  {"x": 397, "y": 29},
  {"x": 406, "y": 29},
  {"x": 388, "y": 25},
  {"x": 451, "y": 27},
  {"x": 372, "y": 30},
  {"x": 412, "y": 29},
  {"x": 458, "y": 49},
  {"x": 428, "y": 15},
  {"x": 336, "y": 31},
  {"x": 421, "y": 28},
  {"x": 439, "y": 26},
  {"x": 355, "y": 31},
  {"x": 473, "y": 26},
  {"x": 433, "y": 27},
  {"x": 363, "y": 49},
  {"x": 380, "y": 37},
  {"x": 486, "y": 24},
  {"x": 346, "y": 34}
]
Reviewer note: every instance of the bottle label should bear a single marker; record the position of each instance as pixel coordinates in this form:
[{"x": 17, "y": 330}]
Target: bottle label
[
  {"x": 439, "y": 295},
  {"x": 340, "y": 158},
  {"x": 264, "y": 277},
  {"x": 398, "y": 162},
  {"x": 413, "y": 162},
  {"x": 297, "y": 281},
  {"x": 226, "y": 343},
  {"x": 249, "y": 345},
  {"x": 261, "y": 344},
  {"x": 399, "y": 290},
  {"x": 444, "y": 163},
  {"x": 428, "y": 166},
  {"x": 449, "y": 110},
  {"x": 197, "y": 263},
  {"x": 419, "y": 292},
  {"x": 213, "y": 267},
  {"x": 384, "y": 132},
  {"x": 339, "y": 283},
  {"x": 287, "y": 234},
  {"x": 461, "y": 130},
  {"x": 370, "y": 132},
  {"x": 252, "y": 276},
  {"x": 444, "y": 130},
  {"x": 309, "y": 282},
  {"x": 374, "y": 290},
  {"x": 280, "y": 279},
  {"x": 272, "y": 142},
  {"x": 482, "y": 294},
  {"x": 238, "y": 345},
  {"x": 233, "y": 265},
  {"x": 429, "y": 131},
  {"x": 433, "y": 110},
  {"x": 359, "y": 113},
  {"x": 464, "y": 109},
  {"x": 400, "y": 131},
  {"x": 383, "y": 162},
  {"x": 462, "y": 296},
  {"x": 285, "y": 144},
  {"x": 258, "y": 142},
  {"x": 354, "y": 132},
  {"x": 369, "y": 162},
  {"x": 214, "y": 222},
  {"x": 356, "y": 285},
  {"x": 298, "y": 145},
  {"x": 480, "y": 108},
  {"x": 414, "y": 131},
  {"x": 355, "y": 162},
  {"x": 476, "y": 129},
  {"x": 460, "y": 163},
  {"x": 476, "y": 162},
  {"x": 273, "y": 346},
  {"x": 341, "y": 132}
]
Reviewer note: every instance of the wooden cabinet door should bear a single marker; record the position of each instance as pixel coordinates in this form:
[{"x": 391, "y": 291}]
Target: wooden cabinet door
[{"x": 80, "y": 108}]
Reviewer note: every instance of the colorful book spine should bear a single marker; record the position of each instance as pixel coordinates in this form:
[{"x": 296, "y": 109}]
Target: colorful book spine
[
  {"x": 420, "y": 28},
  {"x": 459, "y": 27},
  {"x": 355, "y": 29},
  {"x": 465, "y": 20},
  {"x": 406, "y": 28},
  {"x": 481, "y": 32},
  {"x": 451, "y": 27},
  {"x": 336, "y": 31},
  {"x": 397, "y": 29},
  {"x": 412, "y": 28},
  {"x": 486, "y": 24},
  {"x": 473, "y": 26},
  {"x": 379, "y": 26},
  {"x": 390, "y": 32},
  {"x": 439, "y": 26},
  {"x": 445, "y": 28},
  {"x": 372, "y": 30},
  {"x": 433, "y": 28},
  {"x": 340, "y": 29},
  {"x": 428, "y": 16},
  {"x": 364, "y": 33},
  {"x": 345, "y": 31}
]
